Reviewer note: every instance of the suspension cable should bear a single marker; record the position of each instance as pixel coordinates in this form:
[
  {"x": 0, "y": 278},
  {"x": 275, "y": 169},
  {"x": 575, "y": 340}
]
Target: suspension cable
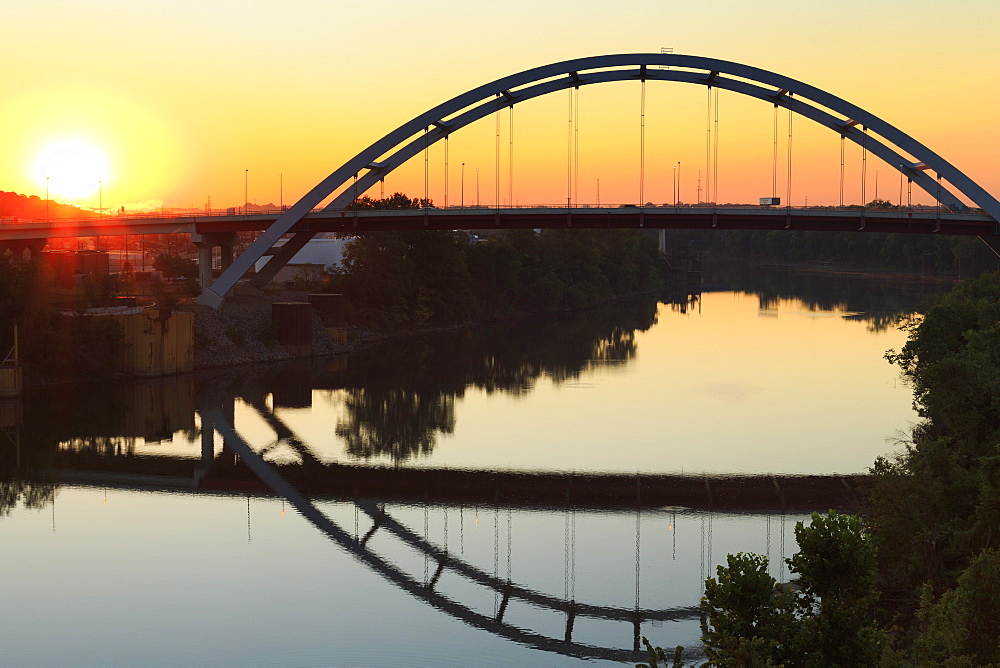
[
  {"x": 900, "y": 207},
  {"x": 864, "y": 165},
  {"x": 576, "y": 145},
  {"x": 708, "y": 147},
  {"x": 510, "y": 176},
  {"x": 496, "y": 171},
  {"x": 842, "y": 138},
  {"x": 788, "y": 184},
  {"x": 569, "y": 152},
  {"x": 446, "y": 137},
  {"x": 715, "y": 156},
  {"x": 642, "y": 143},
  {"x": 426, "y": 170},
  {"x": 774, "y": 156}
]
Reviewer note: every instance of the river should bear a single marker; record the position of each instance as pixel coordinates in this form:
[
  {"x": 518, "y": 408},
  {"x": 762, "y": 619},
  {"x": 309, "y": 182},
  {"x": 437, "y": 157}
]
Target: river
[{"x": 449, "y": 499}]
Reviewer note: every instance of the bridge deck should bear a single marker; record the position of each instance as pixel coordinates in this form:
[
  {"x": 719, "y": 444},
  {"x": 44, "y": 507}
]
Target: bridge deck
[{"x": 920, "y": 221}]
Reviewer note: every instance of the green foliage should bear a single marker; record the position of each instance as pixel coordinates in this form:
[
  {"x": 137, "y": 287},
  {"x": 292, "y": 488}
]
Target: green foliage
[
  {"x": 752, "y": 620},
  {"x": 175, "y": 266},
  {"x": 748, "y": 619},
  {"x": 951, "y": 357},
  {"x": 395, "y": 201},
  {"x": 656, "y": 654},
  {"x": 409, "y": 279},
  {"x": 963, "y": 623},
  {"x": 935, "y": 506}
]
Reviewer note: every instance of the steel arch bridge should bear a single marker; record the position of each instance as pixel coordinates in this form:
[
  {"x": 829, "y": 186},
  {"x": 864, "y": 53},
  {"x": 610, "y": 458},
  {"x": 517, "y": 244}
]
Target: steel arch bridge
[{"x": 892, "y": 145}]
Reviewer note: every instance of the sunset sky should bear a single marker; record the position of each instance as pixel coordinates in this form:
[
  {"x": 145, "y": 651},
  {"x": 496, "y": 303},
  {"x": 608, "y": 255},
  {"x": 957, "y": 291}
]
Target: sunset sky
[{"x": 170, "y": 103}]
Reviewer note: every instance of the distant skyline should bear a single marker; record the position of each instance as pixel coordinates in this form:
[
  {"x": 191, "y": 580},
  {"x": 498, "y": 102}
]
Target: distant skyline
[{"x": 170, "y": 104}]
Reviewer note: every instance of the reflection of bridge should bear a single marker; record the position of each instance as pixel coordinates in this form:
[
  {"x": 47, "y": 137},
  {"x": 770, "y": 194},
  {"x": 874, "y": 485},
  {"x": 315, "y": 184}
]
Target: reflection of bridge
[
  {"x": 446, "y": 565},
  {"x": 240, "y": 467}
]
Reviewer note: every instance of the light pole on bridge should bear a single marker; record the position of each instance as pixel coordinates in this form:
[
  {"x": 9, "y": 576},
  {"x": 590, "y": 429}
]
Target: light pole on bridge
[
  {"x": 246, "y": 197},
  {"x": 678, "y": 182},
  {"x": 463, "y": 185},
  {"x": 46, "y": 199}
]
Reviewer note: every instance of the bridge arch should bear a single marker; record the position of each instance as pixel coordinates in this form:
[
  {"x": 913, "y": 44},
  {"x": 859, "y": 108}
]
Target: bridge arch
[{"x": 383, "y": 156}]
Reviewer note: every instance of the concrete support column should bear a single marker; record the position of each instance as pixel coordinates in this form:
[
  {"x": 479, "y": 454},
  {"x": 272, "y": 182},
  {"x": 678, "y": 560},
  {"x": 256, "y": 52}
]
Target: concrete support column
[
  {"x": 205, "y": 243},
  {"x": 663, "y": 242},
  {"x": 204, "y": 265}
]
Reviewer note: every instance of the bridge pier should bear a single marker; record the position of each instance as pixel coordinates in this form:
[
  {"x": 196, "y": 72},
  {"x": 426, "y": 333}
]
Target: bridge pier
[
  {"x": 206, "y": 242},
  {"x": 23, "y": 250}
]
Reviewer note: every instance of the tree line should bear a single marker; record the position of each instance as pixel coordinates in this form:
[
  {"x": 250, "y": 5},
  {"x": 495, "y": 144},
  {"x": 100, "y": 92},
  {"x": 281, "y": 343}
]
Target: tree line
[
  {"x": 416, "y": 279},
  {"x": 916, "y": 253}
]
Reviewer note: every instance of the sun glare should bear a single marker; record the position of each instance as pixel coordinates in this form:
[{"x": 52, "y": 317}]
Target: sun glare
[{"x": 71, "y": 170}]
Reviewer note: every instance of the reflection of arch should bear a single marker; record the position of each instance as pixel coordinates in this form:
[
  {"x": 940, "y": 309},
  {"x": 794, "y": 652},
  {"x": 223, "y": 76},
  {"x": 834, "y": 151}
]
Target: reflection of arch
[
  {"x": 358, "y": 548},
  {"x": 438, "y": 123}
]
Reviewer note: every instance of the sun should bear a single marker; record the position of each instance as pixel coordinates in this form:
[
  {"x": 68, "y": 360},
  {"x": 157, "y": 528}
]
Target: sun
[{"x": 71, "y": 169}]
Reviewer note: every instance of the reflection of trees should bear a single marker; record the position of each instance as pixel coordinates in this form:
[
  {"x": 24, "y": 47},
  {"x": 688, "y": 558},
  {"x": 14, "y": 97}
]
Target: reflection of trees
[
  {"x": 32, "y": 493},
  {"x": 396, "y": 423},
  {"x": 878, "y": 302},
  {"x": 23, "y": 475},
  {"x": 401, "y": 396}
]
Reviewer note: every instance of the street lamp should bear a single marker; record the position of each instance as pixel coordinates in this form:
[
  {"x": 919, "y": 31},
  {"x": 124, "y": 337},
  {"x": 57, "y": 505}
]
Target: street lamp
[
  {"x": 678, "y": 181},
  {"x": 100, "y": 200},
  {"x": 46, "y": 199},
  {"x": 281, "y": 192},
  {"x": 246, "y": 198},
  {"x": 477, "y": 188},
  {"x": 463, "y": 185}
]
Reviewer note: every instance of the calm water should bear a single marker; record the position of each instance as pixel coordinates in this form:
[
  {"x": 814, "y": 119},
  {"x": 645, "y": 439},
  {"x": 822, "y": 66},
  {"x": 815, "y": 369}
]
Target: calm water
[{"x": 129, "y": 560}]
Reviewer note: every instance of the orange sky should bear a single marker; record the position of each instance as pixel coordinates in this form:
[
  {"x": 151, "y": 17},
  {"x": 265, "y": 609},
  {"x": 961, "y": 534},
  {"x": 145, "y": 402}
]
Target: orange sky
[{"x": 171, "y": 103}]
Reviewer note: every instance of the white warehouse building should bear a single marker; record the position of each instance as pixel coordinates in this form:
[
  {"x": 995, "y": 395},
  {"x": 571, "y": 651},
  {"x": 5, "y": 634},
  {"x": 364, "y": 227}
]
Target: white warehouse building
[{"x": 310, "y": 262}]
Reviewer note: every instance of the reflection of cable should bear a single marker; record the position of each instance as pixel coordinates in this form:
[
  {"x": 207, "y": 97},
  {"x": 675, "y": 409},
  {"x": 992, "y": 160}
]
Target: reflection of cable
[
  {"x": 508, "y": 545},
  {"x": 781, "y": 572},
  {"x": 702, "y": 571},
  {"x": 673, "y": 528},
  {"x": 768, "y": 549},
  {"x": 566, "y": 560},
  {"x": 637, "y": 536},
  {"x": 572, "y": 562},
  {"x": 426, "y": 555},
  {"x": 461, "y": 529},
  {"x": 708, "y": 552},
  {"x": 496, "y": 553}
]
